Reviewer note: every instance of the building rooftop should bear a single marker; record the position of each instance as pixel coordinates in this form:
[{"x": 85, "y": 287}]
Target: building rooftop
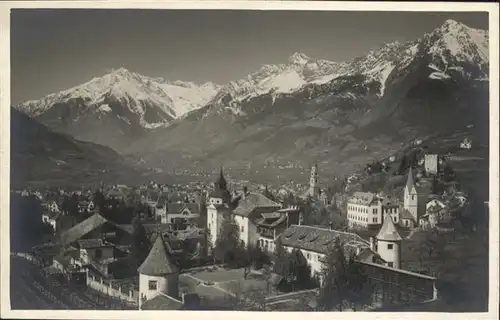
[
  {"x": 179, "y": 207},
  {"x": 92, "y": 243},
  {"x": 253, "y": 203},
  {"x": 162, "y": 302},
  {"x": 363, "y": 198},
  {"x": 159, "y": 260},
  {"x": 405, "y": 214},
  {"x": 83, "y": 228},
  {"x": 319, "y": 239},
  {"x": 271, "y": 222},
  {"x": 388, "y": 232}
]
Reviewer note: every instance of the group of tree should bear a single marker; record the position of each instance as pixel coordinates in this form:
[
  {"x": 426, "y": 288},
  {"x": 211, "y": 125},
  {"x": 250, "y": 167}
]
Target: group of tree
[
  {"x": 293, "y": 267},
  {"x": 344, "y": 282},
  {"x": 141, "y": 244},
  {"x": 374, "y": 167},
  {"x": 448, "y": 173},
  {"x": 26, "y": 226},
  {"x": 407, "y": 161},
  {"x": 122, "y": 210}
]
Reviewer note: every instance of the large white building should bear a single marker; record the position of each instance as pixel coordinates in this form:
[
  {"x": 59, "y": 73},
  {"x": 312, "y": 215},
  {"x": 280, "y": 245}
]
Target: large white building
[
  {"x": 314, "y": 243},
  {"x": 431, "y": 163},
  {"x": 364, "y": 209}
]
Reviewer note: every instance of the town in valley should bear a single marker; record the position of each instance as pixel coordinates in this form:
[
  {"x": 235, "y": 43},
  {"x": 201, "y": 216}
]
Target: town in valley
[{"x": 308, "y": 185}]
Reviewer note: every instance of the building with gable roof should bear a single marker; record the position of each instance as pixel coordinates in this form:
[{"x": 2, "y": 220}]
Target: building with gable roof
[
  {"x": 364, "y": 209},
  {"x": 271, "y": 225},
  {"x": 250, "y": 209},
  {"x": 315, "y": 242},
  {"x": 182, "y": 213}
]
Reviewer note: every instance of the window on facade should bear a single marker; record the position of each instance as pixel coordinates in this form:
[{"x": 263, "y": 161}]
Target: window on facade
[
  {"x": 390, "y": 264},
  {"x": 308, "y": 256},
  {"x": 412, "y": 197},
  {"x": 242, "y": 229},
  {"x": 375, "y": 220},
  {"x": 153, "y": 285},
  {"x": 389, "y": 246}
]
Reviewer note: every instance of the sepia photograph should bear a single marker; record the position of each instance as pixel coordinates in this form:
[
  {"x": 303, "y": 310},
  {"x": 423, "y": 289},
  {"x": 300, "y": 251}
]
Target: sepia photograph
[{"x": 249, "y": 160}]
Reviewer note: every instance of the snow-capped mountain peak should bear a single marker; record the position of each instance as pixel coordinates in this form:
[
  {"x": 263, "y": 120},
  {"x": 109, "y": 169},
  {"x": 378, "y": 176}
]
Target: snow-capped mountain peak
[
  {"x": 298, "y": 58},
  {"x": 134, "y": 91}
]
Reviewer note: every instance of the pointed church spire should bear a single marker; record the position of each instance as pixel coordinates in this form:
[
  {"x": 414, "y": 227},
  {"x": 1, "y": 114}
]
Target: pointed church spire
[
  {"x": 159, "y": 260},
  {"x": 221, "y": 183},
  {"x": 410, "y": 182},
  {"x": 388, "y": 232}
]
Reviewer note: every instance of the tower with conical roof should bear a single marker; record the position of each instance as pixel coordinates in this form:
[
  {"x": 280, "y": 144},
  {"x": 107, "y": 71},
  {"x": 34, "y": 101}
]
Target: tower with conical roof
[
  {"x": 411, "y": 196},
  {"x": 389, "y": 243},
  {"x": 158, "y": 273}
]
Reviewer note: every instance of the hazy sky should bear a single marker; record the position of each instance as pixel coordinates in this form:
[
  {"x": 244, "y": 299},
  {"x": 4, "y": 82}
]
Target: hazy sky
[{"x": 52, "y": 50}]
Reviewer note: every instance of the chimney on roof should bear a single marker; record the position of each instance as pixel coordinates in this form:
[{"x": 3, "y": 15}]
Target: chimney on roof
[
  {"x": 245, "y": 192},
  {"x": 358, "y": 250},
  {"x": 331, "y": 225}
]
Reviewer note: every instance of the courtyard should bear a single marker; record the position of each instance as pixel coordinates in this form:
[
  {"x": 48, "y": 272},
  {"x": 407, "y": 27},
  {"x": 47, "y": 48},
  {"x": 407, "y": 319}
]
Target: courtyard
[{"x": 225, "y": 285}]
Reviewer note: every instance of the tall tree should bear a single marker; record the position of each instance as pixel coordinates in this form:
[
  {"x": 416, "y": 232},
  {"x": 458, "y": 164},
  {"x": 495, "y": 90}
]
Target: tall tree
[
  {"x": 403, "y": 165},
  {"x": 345, "y": 283},
  {"x": 359, "y": 291},
  {"x": 280, "y": 259},
  {"x": 299, "y": 270},
  {"x": 99, "y": 200},
  {"x": 448, "y": 173},
  {"x": 334, "y": 276},
  {"x": 141, "y": 244},
  {"x": 228, "y": 240}
]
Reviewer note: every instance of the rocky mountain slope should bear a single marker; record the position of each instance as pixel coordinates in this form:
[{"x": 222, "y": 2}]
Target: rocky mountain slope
[
  {"x": 292, "y": 114},
  {"x": 343, "y": 115},
  {"x": 119, "y": 107},
  {"x": 39, "y": 155}
]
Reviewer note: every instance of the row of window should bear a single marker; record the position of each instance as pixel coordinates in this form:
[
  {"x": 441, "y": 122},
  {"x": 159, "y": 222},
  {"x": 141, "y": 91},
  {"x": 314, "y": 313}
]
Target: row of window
[
  {"x": 357, "y": 218},
  {"x": 357, "y": 209},
  {"x": 391, "y": 210}
]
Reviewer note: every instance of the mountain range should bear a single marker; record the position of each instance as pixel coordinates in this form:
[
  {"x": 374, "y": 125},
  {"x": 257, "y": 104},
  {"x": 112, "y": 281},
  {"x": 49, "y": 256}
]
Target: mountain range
[
  {"x": 292, "y": 114},
  {"x": 40, "y": 155}
]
